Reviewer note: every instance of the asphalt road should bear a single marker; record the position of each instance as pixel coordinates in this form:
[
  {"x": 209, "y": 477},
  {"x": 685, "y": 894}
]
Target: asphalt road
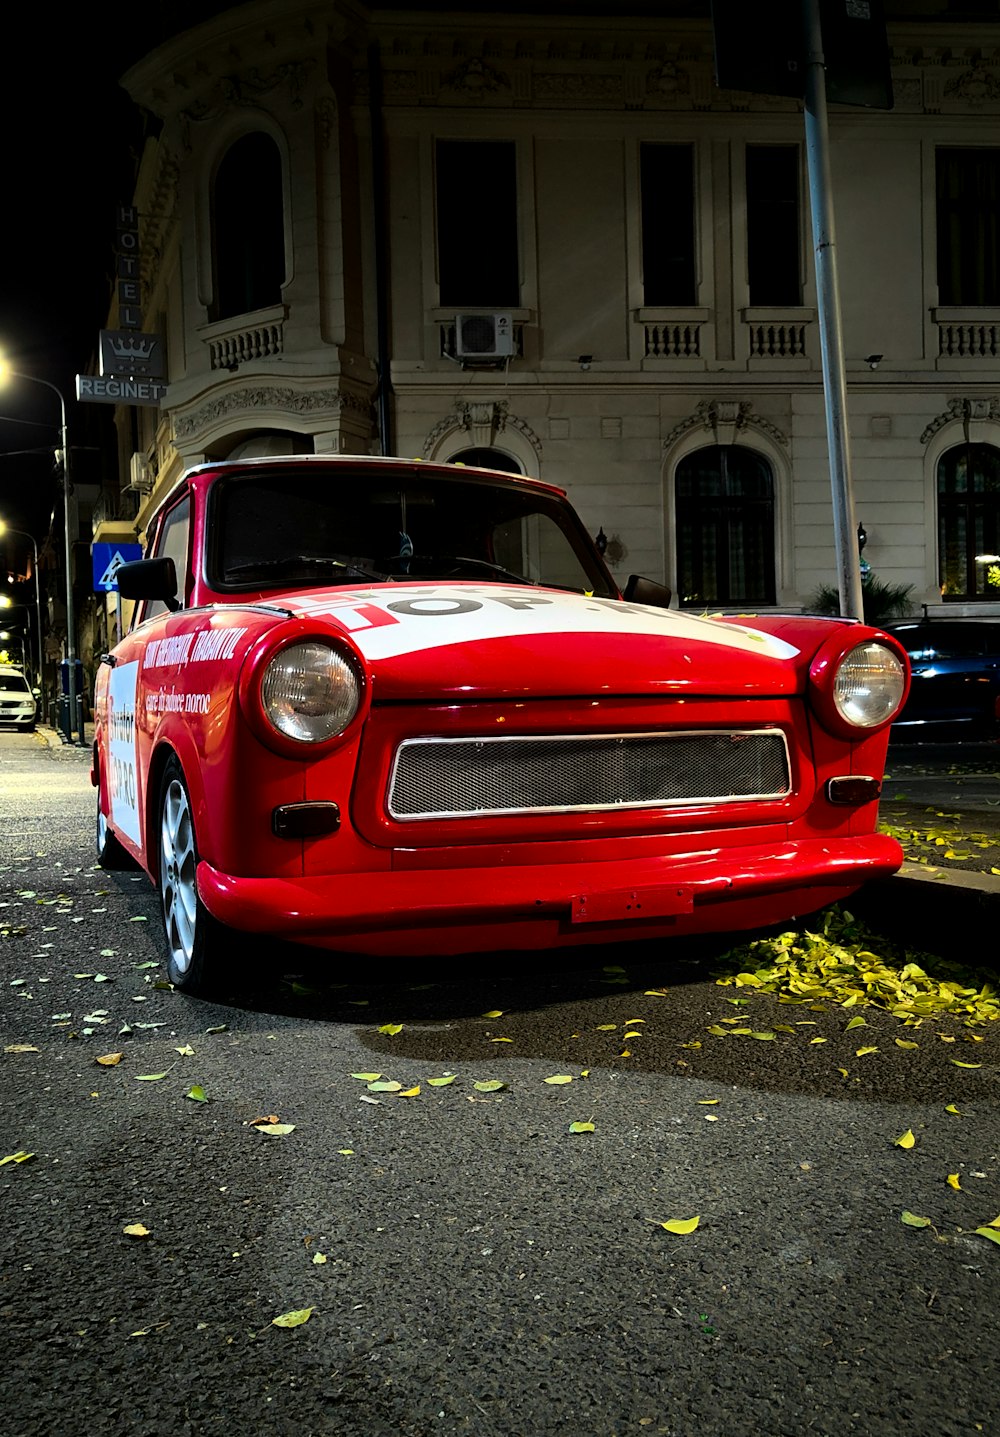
[{"x": 469, "y": 1265}]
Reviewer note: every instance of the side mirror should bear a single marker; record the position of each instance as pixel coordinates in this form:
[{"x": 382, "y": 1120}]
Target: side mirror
[
  {"x": 149, "y": 579},
  {"x": 646, "y": 591}
]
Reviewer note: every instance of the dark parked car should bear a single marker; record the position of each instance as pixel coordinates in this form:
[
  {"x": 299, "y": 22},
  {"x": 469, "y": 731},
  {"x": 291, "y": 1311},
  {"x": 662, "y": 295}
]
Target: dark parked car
[{"x": 955, "y": 688}]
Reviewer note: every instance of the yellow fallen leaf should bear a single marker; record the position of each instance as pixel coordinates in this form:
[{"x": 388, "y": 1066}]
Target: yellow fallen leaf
[
  {"x": 367, "y": 1077},
  {"x": 275, "y": 1130},
  {"x": 954, "y": 1183},
  {"x": 441, "y": 1082},
  {"x": 994, "y": 1223},
  {"x": 494, "y": 1013},
  {"x": 293, "y": 1319},
  {"x": 197, "y": 1094},
  {"x": 681, "y": 1225},
  {"x": 813, "y": 1041},
  {"x": 912, "y": 1220},
  {"x": 186, "y": 1052},
  {"x": 631, "y": 1035},
  {"x": 964, "y": 1065},
  {"x": 953, "y": 1110},
  {"x": 989, "y": 1232},
  {"x": 22, "y": 1048},
  {"x": 708, "y": 1102},
  {"x": 109, "y": 1060},
  {"x": 904, "y": 1043},
  {"x": 391, "y": 1029},
  {"x": 501, "y": 1040},
  {"x": 346, "y": 1152},
  {"x": 21, "y": 1157},
  {"x": 319, "y": 1258},
  {"x": 385, "y": 1085},
  {"x": 490, "y": 1085},
  {"x": 135, "y": 1229},
  {"x": 606, "y": 1027},
  {"x": 856, "y": 1022},
  {"x": 582, "y": 1128},
  {"x": 906, "y": 1140},
  {"x": 860, "y": 1052},
  {"x": 559, "y": 1078}
]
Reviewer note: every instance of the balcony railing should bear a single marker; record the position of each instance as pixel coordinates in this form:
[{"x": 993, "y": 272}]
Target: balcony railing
[
  {"x": 966, "y": 334},
  {"x": 233, "y": 342}
]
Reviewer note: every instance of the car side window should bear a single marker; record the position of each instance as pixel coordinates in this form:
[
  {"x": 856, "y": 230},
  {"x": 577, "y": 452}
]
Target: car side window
[{"x": 172, "y": 542}]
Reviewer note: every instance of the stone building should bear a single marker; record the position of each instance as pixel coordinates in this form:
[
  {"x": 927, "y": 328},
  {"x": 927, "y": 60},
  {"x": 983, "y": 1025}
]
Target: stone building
[{"x": 552, "y": 243}]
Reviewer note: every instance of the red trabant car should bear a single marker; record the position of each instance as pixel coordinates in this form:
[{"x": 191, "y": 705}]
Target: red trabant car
[{"x": 391, "y": 707}]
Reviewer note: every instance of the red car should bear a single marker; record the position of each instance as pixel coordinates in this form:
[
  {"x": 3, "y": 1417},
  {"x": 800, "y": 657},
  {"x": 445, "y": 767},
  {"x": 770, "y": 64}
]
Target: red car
[{"x": 390, "y": 707}]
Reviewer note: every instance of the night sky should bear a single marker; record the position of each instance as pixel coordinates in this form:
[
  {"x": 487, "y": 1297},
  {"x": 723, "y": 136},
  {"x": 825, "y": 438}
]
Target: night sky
[{"x": 68, "y": 137}]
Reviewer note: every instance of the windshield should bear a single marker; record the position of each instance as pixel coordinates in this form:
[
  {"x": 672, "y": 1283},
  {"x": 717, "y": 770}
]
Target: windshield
[
  {"x": 280, "y": 528},
  {"x": 14, "y": 684}
]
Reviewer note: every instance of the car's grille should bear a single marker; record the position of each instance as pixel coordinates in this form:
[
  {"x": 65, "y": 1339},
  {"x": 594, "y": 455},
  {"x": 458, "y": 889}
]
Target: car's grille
[{"x": 456, "y": 778}]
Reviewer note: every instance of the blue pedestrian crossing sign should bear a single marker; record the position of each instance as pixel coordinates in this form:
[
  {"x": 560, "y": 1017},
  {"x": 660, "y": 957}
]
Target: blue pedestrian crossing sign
[{"x": 108, "y": 559}]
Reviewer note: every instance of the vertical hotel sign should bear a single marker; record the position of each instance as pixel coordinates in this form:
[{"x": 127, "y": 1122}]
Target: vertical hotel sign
[{"x": 132, "y": 368}]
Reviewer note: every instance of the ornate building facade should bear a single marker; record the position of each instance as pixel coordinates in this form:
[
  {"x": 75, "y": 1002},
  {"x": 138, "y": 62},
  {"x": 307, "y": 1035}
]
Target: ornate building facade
[{"x": 555, "y": 245}]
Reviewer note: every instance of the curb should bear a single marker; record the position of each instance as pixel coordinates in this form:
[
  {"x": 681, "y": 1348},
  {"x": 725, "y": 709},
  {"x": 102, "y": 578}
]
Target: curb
[{"x": 932, "y": 910}]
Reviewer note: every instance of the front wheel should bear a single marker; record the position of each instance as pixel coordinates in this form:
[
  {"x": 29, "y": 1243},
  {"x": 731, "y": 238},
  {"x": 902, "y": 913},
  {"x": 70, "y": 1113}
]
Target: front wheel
[{"x": 196, "y": 942}]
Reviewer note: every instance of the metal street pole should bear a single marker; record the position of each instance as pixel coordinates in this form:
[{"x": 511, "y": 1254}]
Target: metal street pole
[
  {"x": 70, "y": 616},
  {"x": 22, "y": 533},
  {"x": 828, "y": 304}
]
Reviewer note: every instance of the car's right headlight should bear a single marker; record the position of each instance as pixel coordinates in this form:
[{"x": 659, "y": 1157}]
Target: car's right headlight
[{"x": 300, "y": 689}]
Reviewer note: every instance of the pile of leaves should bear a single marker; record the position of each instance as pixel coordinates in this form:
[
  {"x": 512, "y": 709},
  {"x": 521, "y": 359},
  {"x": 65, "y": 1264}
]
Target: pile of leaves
[{"x": 841, "y": 964}]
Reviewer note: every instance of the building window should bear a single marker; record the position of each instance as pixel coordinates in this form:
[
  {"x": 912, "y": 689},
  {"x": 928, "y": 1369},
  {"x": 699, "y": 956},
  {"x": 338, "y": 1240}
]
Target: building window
[
  {"x": 666, "y": 179},
  {"x": 773, "y": 226},
  {"x": 476, "y": 182},
  {"x": 968, "y": 227},
  {"x": 968, "y": 488},
  {"x": 724, "y": 508},
  {"x": 249, "y": 228}
]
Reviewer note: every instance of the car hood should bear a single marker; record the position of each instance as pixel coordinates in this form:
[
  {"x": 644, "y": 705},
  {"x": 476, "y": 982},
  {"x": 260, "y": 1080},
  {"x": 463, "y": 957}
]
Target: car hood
[{"x": 467, "y": 641}]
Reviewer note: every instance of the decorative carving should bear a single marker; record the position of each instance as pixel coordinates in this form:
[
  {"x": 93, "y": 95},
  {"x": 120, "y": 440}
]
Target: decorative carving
[
  {"x": 475, "y": 79},
  {"x": 724, "y": 419},
  {"x": 273, "y": 397},
  {"x": 668, "y": 82},
  {"x": 245, "y": 92},
  {"x": 965, "y": 411},
  {"x": 976, "y": 87},
  {"x": 483, "y": 422}
]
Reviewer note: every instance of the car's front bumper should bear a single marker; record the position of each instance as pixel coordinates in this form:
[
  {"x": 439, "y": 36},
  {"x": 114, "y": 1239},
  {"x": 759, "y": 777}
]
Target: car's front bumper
[{"x": 480, "y": 909}]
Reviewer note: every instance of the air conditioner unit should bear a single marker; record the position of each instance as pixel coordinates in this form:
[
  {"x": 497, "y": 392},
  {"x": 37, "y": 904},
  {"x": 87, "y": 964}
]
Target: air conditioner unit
[
  {"x": 139, "y": 477},
  {"x": 484, "y": 336}
]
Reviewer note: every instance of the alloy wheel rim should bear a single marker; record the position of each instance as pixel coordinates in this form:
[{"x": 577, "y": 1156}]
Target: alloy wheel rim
[{"x": 178, "y": 862}]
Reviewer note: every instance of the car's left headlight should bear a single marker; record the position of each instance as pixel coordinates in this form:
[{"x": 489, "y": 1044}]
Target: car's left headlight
[
  {"x": 869, "y": 685},
  {"x": 310, "y": 691},
  {"x": 859, "y": 688}
]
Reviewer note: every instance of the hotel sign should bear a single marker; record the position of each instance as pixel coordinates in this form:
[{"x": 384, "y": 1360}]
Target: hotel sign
[{"x": 133, "y": 364}]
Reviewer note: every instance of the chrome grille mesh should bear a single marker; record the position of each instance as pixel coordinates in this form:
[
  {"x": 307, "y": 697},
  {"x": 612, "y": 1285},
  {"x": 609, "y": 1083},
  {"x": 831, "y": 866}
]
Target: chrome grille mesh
[{"x": 455, "y": 778}]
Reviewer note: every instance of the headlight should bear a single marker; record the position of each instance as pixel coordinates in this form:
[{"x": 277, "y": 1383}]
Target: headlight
[
  {"x": 869, "y": 685},
  {"x": 310, "y": 692}
]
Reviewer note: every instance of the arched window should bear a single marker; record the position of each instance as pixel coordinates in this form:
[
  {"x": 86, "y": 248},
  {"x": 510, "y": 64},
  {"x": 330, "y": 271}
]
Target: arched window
[
  {"x": 487, "y": 459},
  {"x": 968, "y": 501},
  {"x": 249, "y": 228},
  {"x": 724, "y": 509}
]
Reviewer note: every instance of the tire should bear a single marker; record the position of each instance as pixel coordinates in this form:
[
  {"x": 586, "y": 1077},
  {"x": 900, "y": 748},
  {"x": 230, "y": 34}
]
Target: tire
[
  {"x": 196, "y": 943},
  {"x": 111, "y": 855}
]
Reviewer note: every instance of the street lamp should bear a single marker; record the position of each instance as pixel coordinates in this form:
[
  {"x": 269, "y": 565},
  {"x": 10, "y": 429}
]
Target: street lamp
[
  {"x": 23, "y": 534},
  {"x": 7, "y": 373}
]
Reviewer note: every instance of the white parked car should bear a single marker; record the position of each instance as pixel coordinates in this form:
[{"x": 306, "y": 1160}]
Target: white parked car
[{"x": 17, "y": 702}]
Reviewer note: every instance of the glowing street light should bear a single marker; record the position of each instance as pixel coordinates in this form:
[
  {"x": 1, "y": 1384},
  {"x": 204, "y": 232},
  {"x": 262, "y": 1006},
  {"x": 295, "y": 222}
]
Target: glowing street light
[
  {"x": 7, "y": 373},
  {"x": 23, "y": 534}
]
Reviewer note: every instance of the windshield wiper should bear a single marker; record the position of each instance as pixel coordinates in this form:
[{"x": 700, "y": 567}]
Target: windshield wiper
[
  {"x": 444, "y": 565},
  {"x": 293, "y": 564}
]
